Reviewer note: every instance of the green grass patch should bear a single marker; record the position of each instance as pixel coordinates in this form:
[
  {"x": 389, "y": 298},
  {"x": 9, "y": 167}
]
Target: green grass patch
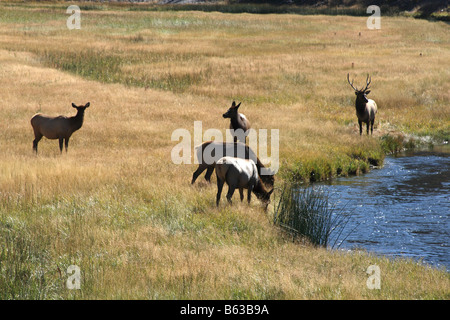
[
  {"x": 108, "y": 67},
  {"x": 357, "y": 161},
  {"x": 396, "y": 143}
]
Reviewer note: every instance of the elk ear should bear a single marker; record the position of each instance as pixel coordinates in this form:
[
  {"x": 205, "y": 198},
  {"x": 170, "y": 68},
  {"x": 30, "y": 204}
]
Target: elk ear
[
  {"x": 87, "y": 105},
  {"x": 74, "y": 105},
  {"x": 233, "y": 104},
  {"x": 238, "y": 105},
  {"x": 356, "y": 93},
  {"x": 368, "y": 91}
]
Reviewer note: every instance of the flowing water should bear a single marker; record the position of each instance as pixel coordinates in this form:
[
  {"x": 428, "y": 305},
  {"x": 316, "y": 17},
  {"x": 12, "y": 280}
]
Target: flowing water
[{"x": 402, "y": 209}]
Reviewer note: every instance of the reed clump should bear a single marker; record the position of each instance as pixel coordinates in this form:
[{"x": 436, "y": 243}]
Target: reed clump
[{"x": 306, "y": 212}]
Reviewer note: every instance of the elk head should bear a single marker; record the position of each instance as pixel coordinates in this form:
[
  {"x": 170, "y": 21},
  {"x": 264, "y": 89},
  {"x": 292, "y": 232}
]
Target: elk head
[
  {"x": 232, "y": 112},
  {"x": 81, "y": 108},
  {"x": 361, "y": 95}
]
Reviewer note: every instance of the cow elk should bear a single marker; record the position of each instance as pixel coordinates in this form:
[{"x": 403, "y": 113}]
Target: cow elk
[
  {"x": 60, "y": 127},
  {"x": 365, "y": 108},
  {"x": 237, "y": 121},
  {"x": 240, "y": 174}
]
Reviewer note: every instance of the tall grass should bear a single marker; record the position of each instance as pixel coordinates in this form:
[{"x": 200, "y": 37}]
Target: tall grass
[
  {"x": 307, "y": 212},
  {"x": 117, "y": 207},
  {"x": 25, "y": 262}
]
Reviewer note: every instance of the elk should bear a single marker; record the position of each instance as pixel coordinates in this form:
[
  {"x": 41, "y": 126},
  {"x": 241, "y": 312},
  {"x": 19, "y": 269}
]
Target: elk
[
  {"x": 365, "y": 108},
  {"x": 237, "y": 120},
  {"x": 240, "y": 174},
  {"x": 60, "y": 127},
  {"x": 209, "y": 152}
]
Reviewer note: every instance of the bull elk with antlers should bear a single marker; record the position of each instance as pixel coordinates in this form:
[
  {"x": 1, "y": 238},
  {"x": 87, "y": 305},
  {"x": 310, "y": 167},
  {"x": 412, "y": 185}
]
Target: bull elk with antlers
[{"x": 365, "y": 108}]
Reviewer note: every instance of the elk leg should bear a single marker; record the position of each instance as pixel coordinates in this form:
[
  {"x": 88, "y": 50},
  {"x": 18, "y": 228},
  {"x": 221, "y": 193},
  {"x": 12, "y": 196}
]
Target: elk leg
[
  {"x": 230, "y": 193},
  {"x": 67, "y": 144},
  {"x": 219, "y": 190},
  {"x": 198, "y": 172},
  {"x": 208, "y": 174},
  {"x": 371, "y": 127},
  {"x": 249, "y": 194},
  {"x": 37, "y": 138},
  {"x": 241, "y": 193},
  {"x": 368, "y": 125},
  {"x": 61, "y": 140},
  {"x": 360, "y": 127}
]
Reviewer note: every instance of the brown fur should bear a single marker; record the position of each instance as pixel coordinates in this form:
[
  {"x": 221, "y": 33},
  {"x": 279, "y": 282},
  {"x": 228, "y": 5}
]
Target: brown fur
[
  {"x": 240, "y": 174},
  {"x": 60, "y": 127},
  {"x": 365, "y": 108},
  {"x": 237, "y": 120},
  {"x": 267, "y": 179}
]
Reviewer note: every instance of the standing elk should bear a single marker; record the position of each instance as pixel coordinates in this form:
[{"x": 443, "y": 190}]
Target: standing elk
[
  {"x": 60, "y": 127},
  {"x": 365, "y": 108},
  {"x": 237, "y": 120},
  {"x": 240, "y": 174},
  {"x": 209, "y": 152}
]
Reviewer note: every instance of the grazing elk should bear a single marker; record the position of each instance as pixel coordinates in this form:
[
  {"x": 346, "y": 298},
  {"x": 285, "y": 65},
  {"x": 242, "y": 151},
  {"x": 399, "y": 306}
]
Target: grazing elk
[
  {"x": 60, "y": 127},
  {"x": 365, "y": 108},
  {"x": 209, "y": 152},
  {"x": 240, "y": 174},
  {"x": 237, "y": 120}
]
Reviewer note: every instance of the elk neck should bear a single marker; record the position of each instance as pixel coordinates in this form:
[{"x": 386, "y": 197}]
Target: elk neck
[
  {"x": 259, "y": 189},
  {"x": 236, "y": 122},
  {"x": 77, "y": 121},
  {"x": 360, "y": 105}
]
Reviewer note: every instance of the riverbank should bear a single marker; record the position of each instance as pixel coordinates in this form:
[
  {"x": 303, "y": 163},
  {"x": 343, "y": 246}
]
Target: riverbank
[
  {"x": 409, "y": 215},
  {"x": 116, "y": 205}
]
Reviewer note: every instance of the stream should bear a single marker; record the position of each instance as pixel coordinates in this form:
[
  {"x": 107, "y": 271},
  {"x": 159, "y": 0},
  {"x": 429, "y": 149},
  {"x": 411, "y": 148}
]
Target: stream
[{"x": 402, "y": 209}]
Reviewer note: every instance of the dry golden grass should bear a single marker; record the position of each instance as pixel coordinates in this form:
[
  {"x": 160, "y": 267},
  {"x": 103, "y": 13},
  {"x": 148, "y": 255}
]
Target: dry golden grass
[{"x": 116, "y": 205}]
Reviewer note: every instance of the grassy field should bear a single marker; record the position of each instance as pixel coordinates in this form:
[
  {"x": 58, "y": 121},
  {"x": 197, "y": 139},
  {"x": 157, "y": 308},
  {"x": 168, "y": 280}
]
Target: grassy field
[{"x": 116, "y": 206}]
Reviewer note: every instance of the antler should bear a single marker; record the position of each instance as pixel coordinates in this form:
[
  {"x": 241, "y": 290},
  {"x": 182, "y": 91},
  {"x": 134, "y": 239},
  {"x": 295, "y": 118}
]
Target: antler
[
  {"x": 368, "y": 81},
  {"x": 348, "y": 79}
]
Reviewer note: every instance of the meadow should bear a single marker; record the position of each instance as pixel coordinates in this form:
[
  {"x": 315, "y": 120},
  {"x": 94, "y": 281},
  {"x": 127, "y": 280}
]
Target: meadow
[{"x": 116, "y": 206}]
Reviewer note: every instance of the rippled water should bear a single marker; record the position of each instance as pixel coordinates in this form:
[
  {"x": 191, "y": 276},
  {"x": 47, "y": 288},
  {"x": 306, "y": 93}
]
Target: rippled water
[{"x": 402, "y": 209}]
